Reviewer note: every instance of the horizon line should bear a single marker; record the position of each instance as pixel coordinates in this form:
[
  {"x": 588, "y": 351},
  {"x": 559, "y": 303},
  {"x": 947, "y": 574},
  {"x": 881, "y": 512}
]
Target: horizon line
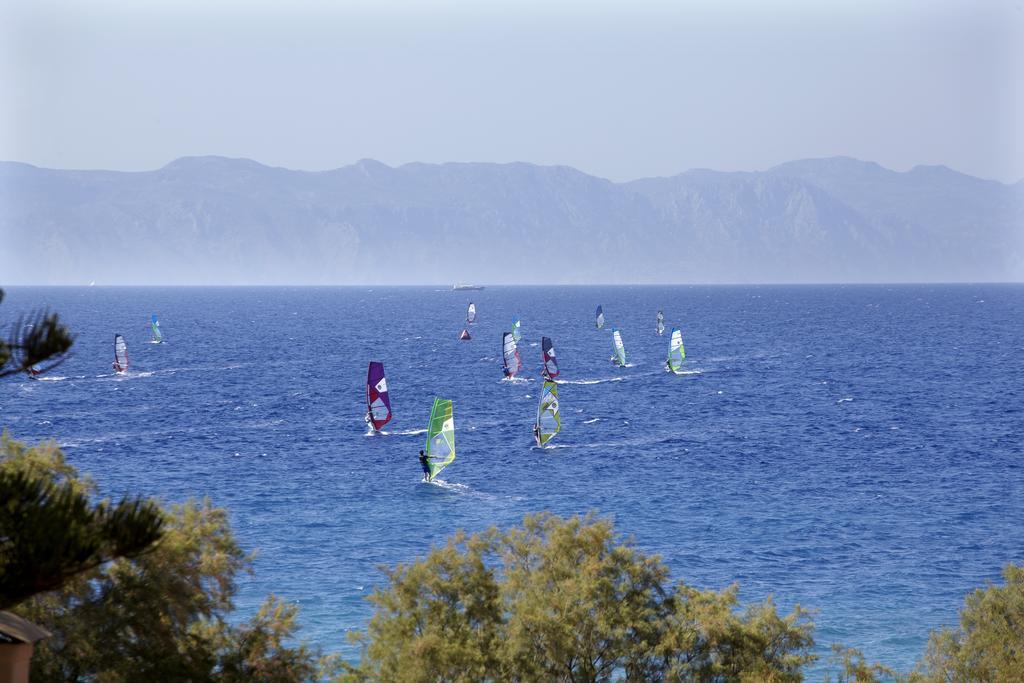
[
  {"x": 448, "y": 288},
  {"x": 369, "y": 160}
]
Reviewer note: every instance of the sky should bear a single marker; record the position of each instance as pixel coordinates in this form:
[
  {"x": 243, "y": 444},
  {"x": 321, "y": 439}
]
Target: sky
[{"x": 621, "y": 90}]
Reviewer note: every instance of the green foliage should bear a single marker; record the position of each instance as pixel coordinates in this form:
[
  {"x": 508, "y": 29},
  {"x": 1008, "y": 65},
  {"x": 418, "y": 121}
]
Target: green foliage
[
  {"x": 161, "y": 615},
  {"x": 988, "y": 645},
  {"x": 441, "y": 620},
  {"x": 855, "y": 668},
  {"x": 37, "y": 340},
  {"x": 567, "y": 600},
  {"x": 708, "y": 640},
  {"x": 578, "y": 604},
  {"x": 50, "y": 530}
]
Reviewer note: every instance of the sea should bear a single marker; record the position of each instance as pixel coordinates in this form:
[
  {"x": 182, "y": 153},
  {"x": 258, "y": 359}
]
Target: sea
[{"x": 856, "y": 450}]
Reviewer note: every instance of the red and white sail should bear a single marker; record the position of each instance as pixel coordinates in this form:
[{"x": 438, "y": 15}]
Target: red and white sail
[
  {"x": 378, "y": 404},
  {"x": 120, "y": 355}
]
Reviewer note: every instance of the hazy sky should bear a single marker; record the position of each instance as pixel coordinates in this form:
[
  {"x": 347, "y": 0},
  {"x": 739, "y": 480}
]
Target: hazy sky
[{"x": 621, "y": 90}]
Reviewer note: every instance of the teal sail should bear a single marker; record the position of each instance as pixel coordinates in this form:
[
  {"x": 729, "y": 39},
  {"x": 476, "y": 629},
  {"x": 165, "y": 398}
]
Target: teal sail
[
  {"x": 516, "y": 334},
  {"x": 676, "y": 352},
  {"x": 620, "y": 350},
  {"x": 549, "y": 420},
  {"x": 154, "y": 326},
  {"x": 440, "y": 449}
]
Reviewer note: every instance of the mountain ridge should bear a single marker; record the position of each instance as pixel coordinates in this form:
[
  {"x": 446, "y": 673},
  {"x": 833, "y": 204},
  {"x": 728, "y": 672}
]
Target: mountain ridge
[{"x": 220, "y": 220}]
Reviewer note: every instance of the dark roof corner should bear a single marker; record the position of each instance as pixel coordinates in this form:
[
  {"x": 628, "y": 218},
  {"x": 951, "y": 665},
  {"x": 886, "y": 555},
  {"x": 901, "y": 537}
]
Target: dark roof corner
[{"x": 14, "y": 629}]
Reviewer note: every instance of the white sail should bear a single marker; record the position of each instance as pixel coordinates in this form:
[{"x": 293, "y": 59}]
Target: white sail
[
  {"x": 620, "y": 349},
  {"x": 510, "y": 355},
  {"x": 676, "y": 352}
]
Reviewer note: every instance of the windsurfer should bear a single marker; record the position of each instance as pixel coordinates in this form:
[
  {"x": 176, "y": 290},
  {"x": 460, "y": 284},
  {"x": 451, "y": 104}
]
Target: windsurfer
[
  {"x": 536, "y": 433},
  {"x": 425, "y": 464}
]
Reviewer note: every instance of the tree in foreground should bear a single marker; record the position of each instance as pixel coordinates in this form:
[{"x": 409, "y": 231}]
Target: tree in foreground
[
  {"x": 989, "y": 643},
  {"x": 162, "y": 615},
  {"x": 37, "y": 341},
  {"x": 51, "y": 531},
  {"x": 567, "y": 600}
]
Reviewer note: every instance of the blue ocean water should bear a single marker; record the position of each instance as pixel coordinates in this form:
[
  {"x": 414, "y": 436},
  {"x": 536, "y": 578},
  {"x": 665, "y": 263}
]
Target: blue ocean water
[{"x": 857, "y": 450}]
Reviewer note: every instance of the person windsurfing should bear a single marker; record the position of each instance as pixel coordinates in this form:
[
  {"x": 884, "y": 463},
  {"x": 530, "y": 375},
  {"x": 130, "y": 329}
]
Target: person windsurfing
[
  {"x": 425, "y": 464},
  {"x": 536, "y": 434}
]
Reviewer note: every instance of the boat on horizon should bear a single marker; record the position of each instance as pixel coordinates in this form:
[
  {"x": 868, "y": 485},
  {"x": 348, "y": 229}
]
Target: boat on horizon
[{"x": 463, "y": 287}]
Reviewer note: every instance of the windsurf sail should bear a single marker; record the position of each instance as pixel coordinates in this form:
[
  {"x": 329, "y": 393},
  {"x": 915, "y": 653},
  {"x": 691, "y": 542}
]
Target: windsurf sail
[
  {"x": 660, "y": 325},
  {"x": 620, "y": 350},
  {"x": 550, "y": 365},
  {"x": 676, "y": 352},
  {"x": 600, "y": 317},
  {"x": 471, "y": 314},
  {"x": 154, "y": 326},
  {"x": 440, "y": 449},
  {"x": 549, "y": 420},
  {"x": 516, "y": 334},
  {"x": 464, "y": 336},
  {"x": 120, "y": 354},
  {"x": 510, "y": 355},
  {"x": 378, "y": 403}
]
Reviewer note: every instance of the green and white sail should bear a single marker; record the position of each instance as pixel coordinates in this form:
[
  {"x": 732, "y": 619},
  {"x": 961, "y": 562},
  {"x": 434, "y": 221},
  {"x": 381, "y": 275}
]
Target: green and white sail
[
  {"x": 440, "y": 449},
  {"x": 549, "y": 420},
  {"x": 516, "y": 334},
  {"x": 620, "y": 349},
  {"x": 676, "y": 352},
  {"x": 154, "y": 328}
]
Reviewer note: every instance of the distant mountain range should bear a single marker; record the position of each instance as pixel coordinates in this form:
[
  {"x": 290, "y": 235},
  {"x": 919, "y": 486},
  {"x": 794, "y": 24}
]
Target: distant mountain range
[{"x": 212, "y": 220}]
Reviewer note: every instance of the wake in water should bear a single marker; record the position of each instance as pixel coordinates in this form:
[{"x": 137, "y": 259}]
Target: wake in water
[
  {"x": 125, "y": 376},
  {"x": 405, "y": 432},
  {"x": 447, "y": 486},
  {"x": 590, "y": 381}
]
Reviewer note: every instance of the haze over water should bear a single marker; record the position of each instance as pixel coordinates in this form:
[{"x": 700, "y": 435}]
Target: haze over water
[{"x": 853, "y": 449}]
